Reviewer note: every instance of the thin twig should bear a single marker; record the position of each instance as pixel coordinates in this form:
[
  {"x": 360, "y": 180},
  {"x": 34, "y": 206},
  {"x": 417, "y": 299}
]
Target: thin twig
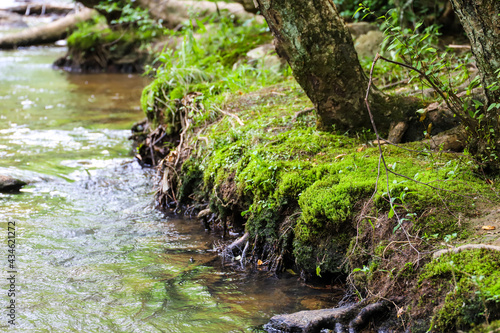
[
  {"x": 231, "y": 115},
  {"x": 381, "y": 156}
]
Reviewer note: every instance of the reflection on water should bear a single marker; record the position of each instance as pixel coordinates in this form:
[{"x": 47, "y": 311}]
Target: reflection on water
[{"x": 92, "y": 253}]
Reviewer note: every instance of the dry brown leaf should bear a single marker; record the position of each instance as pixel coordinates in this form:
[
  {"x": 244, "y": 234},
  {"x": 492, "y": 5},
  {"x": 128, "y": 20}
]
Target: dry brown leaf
[
  {"x": 361, "y": 149},
  {"x": 339, "y": 156},
  {"x": 488, "y": 227}
]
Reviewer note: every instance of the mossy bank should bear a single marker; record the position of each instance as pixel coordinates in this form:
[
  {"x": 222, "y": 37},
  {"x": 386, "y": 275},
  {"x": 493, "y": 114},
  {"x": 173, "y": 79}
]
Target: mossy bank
[{"x": 240, "y": 139}]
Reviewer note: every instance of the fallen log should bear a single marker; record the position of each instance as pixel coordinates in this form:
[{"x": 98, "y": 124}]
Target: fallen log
[
  {"x": 41, "y": 9},
  {"x": 48, "y": 33},
  {"x": 175, "y": 12}
]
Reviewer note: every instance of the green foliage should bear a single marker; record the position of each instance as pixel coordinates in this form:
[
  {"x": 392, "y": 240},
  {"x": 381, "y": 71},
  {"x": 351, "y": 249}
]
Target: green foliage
[
  {"x": 203, "y": 63},
  {"x": 89, "y": 34},
  {"x": 124, "y": 37},
  {"x": 401, "y": 13},
  {"x": 130, "y": 15},
  {"x": 415, "y": 49}
]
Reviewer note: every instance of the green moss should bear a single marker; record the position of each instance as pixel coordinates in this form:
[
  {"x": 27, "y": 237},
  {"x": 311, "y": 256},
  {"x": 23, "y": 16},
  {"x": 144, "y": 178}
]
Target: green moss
[
  {"x": 471, "y": 281},
  {"x": 191, "y": 178}
]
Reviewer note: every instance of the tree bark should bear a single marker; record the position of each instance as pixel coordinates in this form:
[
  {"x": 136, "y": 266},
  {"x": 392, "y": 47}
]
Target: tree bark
[
  {"x": 312, "y": 37},
  {"x": 48, "y": 33},
  {"x": 481, "y": 22}
]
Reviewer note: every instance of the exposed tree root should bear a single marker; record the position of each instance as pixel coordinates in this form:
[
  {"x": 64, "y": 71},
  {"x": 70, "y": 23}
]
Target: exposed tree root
[
  {"x": 237, "y": 243},
  {"x": 366, "y": 314},
  {"x": 439, "y": 253}
]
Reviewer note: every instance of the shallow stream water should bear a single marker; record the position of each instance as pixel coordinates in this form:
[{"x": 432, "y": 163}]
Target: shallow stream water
[{"x": 91, "y": 252}]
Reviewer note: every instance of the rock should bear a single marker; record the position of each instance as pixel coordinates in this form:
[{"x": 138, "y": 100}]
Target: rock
[
  {"x": 311, "y": 321},
  {"x": 11, "y": 20},
  {"x": 10, "y": 185},
  {"x": 361, "y": 28},
  {"x": 451, "y": 140},
  {"x": 262, "y": 57},
  {"x": 368, "y": 45}
]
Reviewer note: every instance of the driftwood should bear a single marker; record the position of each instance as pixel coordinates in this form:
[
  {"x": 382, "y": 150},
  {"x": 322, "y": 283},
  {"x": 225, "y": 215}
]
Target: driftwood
[
  {"x": 48, "y": 33},
  {"x": 439, "y": 253},
  {"x": 175, "y": 12},
  {"x": 41, "y": 9}
]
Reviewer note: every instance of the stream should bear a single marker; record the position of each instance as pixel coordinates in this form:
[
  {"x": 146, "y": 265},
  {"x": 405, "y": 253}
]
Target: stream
[{"x": 91, "y": 252}]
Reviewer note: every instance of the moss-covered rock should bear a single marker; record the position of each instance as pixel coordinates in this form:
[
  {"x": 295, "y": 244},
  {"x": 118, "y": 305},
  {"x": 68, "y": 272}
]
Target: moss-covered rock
[{"x": 469, "y": 281}]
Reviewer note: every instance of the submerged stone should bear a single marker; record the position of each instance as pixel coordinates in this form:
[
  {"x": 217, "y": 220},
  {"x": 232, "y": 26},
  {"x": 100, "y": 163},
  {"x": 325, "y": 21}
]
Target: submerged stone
[{"x": 9, "y": 184}]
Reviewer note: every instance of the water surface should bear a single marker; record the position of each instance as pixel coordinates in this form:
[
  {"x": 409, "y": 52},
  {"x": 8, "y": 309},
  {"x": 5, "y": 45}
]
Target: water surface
[{"x": 92, "y": 253}]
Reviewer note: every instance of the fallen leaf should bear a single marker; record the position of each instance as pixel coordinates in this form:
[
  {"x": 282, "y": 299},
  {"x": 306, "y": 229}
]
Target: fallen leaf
[
  {"x": 488, "y": 227},
  {"x": 361, "y": 149},
  {"x": 259, "y": 262},
  {"x": 339, "y": 156}
]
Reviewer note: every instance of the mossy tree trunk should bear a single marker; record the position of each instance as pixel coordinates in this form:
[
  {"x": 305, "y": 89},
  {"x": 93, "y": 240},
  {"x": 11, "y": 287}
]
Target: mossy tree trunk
[
  {"x": 312, "y": 37},
  {"x": 481, "y": 22}
]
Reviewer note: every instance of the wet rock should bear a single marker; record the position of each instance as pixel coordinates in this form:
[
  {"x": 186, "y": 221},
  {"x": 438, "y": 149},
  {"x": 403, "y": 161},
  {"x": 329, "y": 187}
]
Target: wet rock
[
  {"x": 10, "y": 185},
  {"x": 11, "y": 20},
  {"x": 311, "y": 321}
]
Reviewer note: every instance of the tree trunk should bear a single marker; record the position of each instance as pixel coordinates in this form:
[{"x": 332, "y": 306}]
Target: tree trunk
[
  {"x": 48, "y": 33},
  {"x": 481, "y": 22},
  {"x": 312, "y": 37}
]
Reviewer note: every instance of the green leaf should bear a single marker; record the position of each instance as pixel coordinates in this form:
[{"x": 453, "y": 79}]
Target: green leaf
[
  {"x": 477, "y": 103},
  {"x": 391, "y": 213},
  {"x": 494, "y": 105},
  {"x": 318, "y": 271}
]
